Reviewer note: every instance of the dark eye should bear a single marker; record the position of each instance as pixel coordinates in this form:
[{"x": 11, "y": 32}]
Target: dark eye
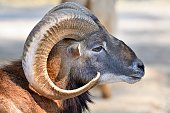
[{"x": 97, "y": 49}]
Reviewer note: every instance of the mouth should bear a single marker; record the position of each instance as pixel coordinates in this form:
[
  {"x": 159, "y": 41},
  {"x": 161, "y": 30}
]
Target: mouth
[
  {"x": 135, "y": 78},
  {"x": 132, "y": 79}
]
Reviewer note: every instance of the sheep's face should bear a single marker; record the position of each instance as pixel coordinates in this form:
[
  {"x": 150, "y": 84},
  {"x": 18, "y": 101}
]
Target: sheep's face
[{"x": 102, "y": 53}]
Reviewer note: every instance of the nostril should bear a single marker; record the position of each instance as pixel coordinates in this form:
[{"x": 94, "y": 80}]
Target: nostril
[{"x": 140, "y": 66}]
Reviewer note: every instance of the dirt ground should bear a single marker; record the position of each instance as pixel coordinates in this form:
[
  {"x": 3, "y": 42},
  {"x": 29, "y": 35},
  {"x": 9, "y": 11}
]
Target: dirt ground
[{"x": 144, "y": 26}]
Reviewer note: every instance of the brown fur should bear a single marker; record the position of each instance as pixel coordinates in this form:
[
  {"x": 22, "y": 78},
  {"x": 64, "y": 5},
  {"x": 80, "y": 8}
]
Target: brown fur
[
  {"x": 16, "y": 96},
  {"x": 15, "y": 93}
]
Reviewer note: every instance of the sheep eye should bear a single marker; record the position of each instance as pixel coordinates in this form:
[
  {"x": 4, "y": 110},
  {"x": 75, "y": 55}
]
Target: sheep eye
[{"x": 97, "y": 49}]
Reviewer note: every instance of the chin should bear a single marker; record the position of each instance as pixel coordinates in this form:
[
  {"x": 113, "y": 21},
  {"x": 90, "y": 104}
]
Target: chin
[
  {"x": 131, "y": 79},
  {"x": 112, "y": 78}
]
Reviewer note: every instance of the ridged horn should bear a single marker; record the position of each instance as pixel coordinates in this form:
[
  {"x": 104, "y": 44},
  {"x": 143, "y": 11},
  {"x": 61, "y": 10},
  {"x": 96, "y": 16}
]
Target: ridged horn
[
  {"x": 54, "y": 27},
  {"x": 79, "y": 7}
]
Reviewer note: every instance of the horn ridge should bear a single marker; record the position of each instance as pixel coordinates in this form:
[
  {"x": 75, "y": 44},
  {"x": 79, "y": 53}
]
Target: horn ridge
[{"x": 54, "y": 26}]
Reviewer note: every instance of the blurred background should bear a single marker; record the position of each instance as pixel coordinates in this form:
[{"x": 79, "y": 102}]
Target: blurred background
[{"x": 144, "y": 25}]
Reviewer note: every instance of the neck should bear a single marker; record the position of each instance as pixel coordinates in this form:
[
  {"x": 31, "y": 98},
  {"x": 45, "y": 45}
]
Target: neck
[
  {"x": 77, "y": 104},
  {"x": 74, "y": 105}
]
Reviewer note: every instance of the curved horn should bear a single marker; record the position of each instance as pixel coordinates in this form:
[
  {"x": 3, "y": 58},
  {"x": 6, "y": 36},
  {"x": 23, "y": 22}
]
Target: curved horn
[
  {"x": 55, "y": 26},
  {"x": 76, "y": 6},
  {"x": 72, "y": 5}
]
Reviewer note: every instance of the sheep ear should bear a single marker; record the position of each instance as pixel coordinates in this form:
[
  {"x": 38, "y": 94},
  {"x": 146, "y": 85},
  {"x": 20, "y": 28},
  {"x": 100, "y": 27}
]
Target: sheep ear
[{"x": 75, "y": 50}]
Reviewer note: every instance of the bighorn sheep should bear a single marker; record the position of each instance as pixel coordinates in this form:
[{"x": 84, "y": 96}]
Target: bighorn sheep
[{"x": 66, "y": 54}]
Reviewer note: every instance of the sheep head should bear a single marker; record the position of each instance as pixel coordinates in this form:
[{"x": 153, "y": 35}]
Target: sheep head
[{"x": 88, "y": 53}]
